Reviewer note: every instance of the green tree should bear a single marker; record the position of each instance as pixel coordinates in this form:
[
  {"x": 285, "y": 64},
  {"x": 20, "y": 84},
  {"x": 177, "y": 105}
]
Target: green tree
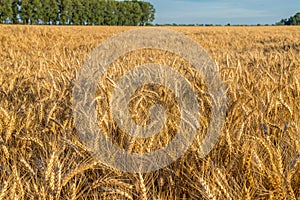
[
  {"x": 6, "y": 12},
  {"x": 148, "y": 13},
  {"x": 88, "y": 12},
  {"x": 77, "y": 12},
  {"x": 92, "y": 8},
  {"x": 26, "y": 11},
  {"x": 151, "y": 14},
  {"x": 50, "y": 11},
  {"x": 122, "y": 14},
  {"x": 36, "y": 11},
  {"x": 65, "y": 8},
  {"x": 135, "y": 13},
  {"x": 100, "y": 12},
  {"x": 82, "y": 12},
  {"x": 110, "y": 17},
  {"x": 15, "y": 11},
  {"x": 293, "y": 20}
]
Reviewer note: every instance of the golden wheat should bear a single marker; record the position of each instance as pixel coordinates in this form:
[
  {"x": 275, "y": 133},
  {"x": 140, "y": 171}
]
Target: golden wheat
[{"x": 256, "y": 157}]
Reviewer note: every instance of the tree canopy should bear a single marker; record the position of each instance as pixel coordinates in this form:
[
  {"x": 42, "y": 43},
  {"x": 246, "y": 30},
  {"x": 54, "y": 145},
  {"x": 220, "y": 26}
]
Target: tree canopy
[
  {"x": 293, "y": 20},
  {"x": 77, "y": 12}
]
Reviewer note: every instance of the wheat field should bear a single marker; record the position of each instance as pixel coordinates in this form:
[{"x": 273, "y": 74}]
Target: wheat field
[{"x": 258, "y": 152}]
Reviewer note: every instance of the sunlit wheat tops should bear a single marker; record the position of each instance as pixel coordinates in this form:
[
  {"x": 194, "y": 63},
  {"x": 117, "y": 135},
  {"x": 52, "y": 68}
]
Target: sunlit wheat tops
[{"x": 256, "y": 157}]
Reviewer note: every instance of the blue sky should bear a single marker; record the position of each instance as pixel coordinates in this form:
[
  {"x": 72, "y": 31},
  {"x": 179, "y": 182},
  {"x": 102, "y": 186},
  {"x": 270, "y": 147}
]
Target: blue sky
[{"x": 223, "y": 11}]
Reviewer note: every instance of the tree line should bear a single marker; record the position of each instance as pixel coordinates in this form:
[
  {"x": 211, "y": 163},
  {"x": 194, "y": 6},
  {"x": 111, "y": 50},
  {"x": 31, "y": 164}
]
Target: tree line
[
  {"x": 293, "y": 20},
  {"x": 77, "y": 12}
]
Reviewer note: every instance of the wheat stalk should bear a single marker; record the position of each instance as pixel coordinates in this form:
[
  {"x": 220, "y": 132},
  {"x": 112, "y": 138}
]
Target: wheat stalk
[{"x": 76, "y": 171}]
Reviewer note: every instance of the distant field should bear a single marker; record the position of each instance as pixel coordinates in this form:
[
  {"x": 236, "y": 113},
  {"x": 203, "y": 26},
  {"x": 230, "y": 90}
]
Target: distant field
[{"x": 258, "y": 153}]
